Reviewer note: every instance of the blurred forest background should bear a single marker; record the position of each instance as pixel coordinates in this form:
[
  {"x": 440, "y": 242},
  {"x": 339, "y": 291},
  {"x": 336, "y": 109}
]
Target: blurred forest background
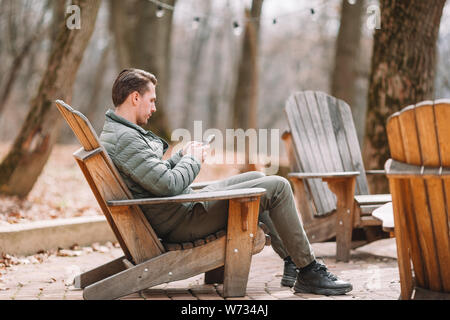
[
  {"x": 297, "y": 49},
  {"x": 228, "y": 63}
]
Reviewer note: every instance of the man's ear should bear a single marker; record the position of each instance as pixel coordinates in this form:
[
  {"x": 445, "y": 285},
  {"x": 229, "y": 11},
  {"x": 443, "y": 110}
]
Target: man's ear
[{"x": 134, "y": 96}]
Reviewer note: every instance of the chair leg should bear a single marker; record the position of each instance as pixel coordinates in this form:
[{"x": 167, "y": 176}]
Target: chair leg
[
  {"x": 241, "y": 234},
  {"x": 402, "y": 241},
  {"x": 167, "y": 267},
  {"x": 83, "y": 280},
  {"x": 344, "y": 190},
  {"x": 214, "y": 276},
  {"x": 343, "y": 236}
]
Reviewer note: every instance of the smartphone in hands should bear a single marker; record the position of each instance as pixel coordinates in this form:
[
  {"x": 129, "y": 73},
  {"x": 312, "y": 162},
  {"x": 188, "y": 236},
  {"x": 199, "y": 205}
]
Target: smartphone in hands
[{"x": 209, "y": 139}]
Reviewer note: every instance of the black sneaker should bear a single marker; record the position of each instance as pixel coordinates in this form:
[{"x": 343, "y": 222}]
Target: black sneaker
[
  {"x": 289, "y": 273},
  {"x": 317, "y": 279}
]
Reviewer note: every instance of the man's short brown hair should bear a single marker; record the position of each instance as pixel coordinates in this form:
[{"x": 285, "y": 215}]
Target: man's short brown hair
[{"x": 128, "y": 81}]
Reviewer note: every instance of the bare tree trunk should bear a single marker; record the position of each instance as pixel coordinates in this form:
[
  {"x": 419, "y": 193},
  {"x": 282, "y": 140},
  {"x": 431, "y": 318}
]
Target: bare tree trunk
[
  {"x": 92, "y": 105},
  {"x": 58, "y": 11},
  {"x": 201, "y": 37},
  {"x": 402, "y": 72},
  {"x": 345, "y": 73},
  {"x": 19, "y": 59},
  {"x": 216, "y": 89},
  {"x": 143, "y": 41},
  {"x": 246, "y": 95},
  {"x": 23, "y": 164},
  {"x": 15, "y": 68},
  {"x": 119, "y": 26}
]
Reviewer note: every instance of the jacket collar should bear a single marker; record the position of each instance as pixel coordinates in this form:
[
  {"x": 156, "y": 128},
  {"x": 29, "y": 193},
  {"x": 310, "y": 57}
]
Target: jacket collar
[{"x": 114, "y": 117}]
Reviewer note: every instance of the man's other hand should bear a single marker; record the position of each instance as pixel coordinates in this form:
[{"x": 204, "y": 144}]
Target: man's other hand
[{"x": 197, "y": 150}]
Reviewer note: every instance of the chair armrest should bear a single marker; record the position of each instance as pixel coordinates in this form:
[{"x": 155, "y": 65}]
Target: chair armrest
[
  {"x": 323, "y": 175},
  {"x": 200, "y": 185},
  {"x": 193, "y": 197},
  {"x": 397, "y": 169},
  {"x": 376, "y": 172}
]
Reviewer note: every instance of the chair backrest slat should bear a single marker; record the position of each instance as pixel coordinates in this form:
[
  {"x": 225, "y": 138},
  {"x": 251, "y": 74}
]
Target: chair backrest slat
[
  {"x": 302, "y": 146},
  {"x": 326, "y": 104},
  {"x": 325, "y": 140},
  {"x": 80, "y": 126},
  {"x": 315, "y": 161},
  {"x": 133, "y": 231},
  {"x": 352, "y": 145},
  {"x": 419, "y": 135}
]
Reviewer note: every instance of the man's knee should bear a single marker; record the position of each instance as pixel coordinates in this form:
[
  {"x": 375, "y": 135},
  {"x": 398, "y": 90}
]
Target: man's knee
[
  {"x": 280, "y": 180},
  {"x": 277, "y": 182},
  {"x": 256, "y": 174}
]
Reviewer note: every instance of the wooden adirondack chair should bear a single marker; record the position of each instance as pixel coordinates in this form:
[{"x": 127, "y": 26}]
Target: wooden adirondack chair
[
  {"x": 225, "y": 257},
  {"x": 324, "y": 153},
  {"x": 419, "y": 181}
]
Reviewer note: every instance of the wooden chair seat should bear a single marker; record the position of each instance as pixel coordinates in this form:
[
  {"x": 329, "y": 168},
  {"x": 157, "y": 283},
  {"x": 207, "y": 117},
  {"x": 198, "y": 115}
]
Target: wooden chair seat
[
  {"x": 366, "y": 206},
  {"x": 329, "y": 179},
  {"x": 196, "y": 243},
  {"x": 214, "y": 236},
  {"x": 147, "y": 261}
]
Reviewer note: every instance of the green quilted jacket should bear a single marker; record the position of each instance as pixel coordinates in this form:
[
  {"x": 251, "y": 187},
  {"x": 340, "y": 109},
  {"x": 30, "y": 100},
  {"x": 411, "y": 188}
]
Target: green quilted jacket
[{"x": 137, "y": 154}]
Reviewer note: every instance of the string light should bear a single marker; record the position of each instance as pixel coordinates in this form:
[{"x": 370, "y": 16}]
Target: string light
[
  {"x": 195, "y": 22},
  {"x": 237, "y": 28},
  {"x": 159, "y": 12}
]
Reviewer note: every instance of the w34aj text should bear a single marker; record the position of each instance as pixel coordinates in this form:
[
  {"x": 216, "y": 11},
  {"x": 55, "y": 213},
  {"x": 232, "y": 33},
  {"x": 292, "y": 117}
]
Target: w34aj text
[{"x": 234, "y": 309}]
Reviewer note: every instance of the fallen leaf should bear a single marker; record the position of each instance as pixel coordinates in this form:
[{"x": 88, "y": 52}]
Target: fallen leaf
[
  {"x": 69, "y": 253},
  {"x": 97, "y": 247}
]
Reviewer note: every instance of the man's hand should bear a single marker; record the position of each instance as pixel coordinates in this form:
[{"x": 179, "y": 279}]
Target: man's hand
[{"x": 196, "y": 149}]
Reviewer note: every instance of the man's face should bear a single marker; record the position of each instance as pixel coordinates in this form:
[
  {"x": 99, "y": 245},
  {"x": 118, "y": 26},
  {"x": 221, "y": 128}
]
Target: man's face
[{"x": 146, "y": 106}]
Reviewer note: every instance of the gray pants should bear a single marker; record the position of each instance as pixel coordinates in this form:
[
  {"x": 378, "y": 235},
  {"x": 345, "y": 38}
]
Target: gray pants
[{"x": 277, "y": 210}]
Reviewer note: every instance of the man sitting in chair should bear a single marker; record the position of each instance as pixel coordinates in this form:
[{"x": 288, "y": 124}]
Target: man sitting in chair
[{"x": 137, "y": 153}]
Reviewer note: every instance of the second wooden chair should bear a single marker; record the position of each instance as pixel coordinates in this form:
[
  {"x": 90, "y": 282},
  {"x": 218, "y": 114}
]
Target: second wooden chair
[{"x": 329, "y": 178}]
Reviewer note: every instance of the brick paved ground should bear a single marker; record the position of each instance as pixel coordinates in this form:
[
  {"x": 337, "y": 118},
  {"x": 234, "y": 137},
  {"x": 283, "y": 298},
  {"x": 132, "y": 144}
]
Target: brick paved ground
[{"x": 373, "y": 277}]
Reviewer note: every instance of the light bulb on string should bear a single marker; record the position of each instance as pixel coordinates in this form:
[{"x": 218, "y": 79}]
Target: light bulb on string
[
  {"x": 160, "y": 12},
  {"x": 313, "y": 14},
  {"x": 237, "y": 29},
  {"x": 195, "y": 23},
  {"x": 351, "y": 2}
]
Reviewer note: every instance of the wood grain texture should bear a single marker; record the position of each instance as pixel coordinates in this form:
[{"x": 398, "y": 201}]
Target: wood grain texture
[
  {"x": 411, "y": 145},
  {"x": 239, "y": 247},
  {"x": 418, "y": 135},
  {"x": 99, "y": 273},
  {"x": 322, "y": 143},
  {"x": 344, "y": 189},
  {"x": 167, "y": 267},
  {"x": 130, "y": 222},
  {"x": 325, "y": 140},
  {"x": 80, "y": 126},
  {"x": 192, "y": 197},
  {"x": 146, "y": 261}
]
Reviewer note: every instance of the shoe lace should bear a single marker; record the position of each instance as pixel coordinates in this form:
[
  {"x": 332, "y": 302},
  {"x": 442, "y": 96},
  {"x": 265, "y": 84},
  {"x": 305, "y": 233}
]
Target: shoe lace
[{"x": 322, "y": 269}]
